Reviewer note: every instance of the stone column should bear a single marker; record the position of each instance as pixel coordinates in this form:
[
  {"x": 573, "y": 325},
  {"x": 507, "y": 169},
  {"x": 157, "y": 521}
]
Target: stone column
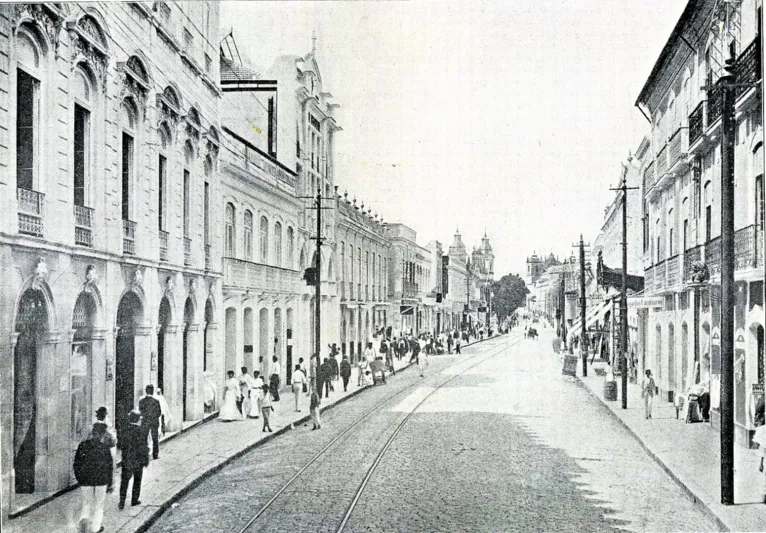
[
  {"x": 194, "y": 401},
  {"x": 173, "y": 376}
]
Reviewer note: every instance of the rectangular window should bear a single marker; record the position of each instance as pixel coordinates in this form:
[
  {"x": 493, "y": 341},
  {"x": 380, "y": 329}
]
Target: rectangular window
[
  {"x": 658, "y": 250},
  {"x": 27, "y": 115},
  {"x": 708, "y": 222},
  {"x": 671, "y": 247},
  {"x": 207, "y": 213},
  {"x": 187, "y": 184},
  {"x": 81, "y": 141},
  {"x": 759, "y": 202},
  {"x": 161, "y": 185},
  {"x": 127, "y": 173},
  {"x": 686, "y": 234}
]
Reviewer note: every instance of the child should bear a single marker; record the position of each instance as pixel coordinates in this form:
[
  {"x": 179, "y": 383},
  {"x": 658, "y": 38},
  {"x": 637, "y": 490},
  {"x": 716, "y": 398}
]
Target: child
[
  {"x": 647, "y": 393},
  {"x": 266, "y": 408},
  {"x": 314, "y": 407}
]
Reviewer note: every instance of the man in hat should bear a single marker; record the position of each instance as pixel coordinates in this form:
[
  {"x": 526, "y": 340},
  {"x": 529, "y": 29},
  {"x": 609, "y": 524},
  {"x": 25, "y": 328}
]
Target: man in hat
[
  {"x": 135, "y": 457},
  {"x": 151, "y": 411}
]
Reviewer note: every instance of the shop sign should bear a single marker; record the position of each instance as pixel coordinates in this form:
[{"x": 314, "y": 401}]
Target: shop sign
[{"x": 646, "y": 301}]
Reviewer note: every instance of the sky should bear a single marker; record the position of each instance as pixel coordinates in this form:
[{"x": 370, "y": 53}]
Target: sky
[{"x": 508, "y": 117}]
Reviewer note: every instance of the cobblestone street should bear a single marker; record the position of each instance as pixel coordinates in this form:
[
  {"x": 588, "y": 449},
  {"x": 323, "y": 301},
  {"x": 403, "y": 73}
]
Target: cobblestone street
[{"x": 507, "y": 445}]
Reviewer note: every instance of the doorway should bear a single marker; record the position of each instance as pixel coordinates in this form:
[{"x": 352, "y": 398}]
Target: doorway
[
  {"x": 31, "y": 326},
  {"x": 188, "y": 319},
  {"x": 163, "y": 321},
  {"x": 81, "y": 369},
  {"x": 129, "y": 315}
]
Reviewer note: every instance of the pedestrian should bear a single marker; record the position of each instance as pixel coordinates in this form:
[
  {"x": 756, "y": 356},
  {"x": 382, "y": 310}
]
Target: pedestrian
[
  {"x": 647, "y": 393},
  {"x": 314, "y": 408},
  {"x": 256, "y": 394},
  {"x": 298, "y": 382},
  {"x": 457, "y": 345},
  {"x": 94, "y": 468},
  {"x": 369, "y": 353},
  {"x": 266, "y": 408},
  {"x": 276, "y": 372},
  {"x": 151, "y": 411},
  {"x": 449, "y": 344},
  {"x": 334, "y": 369},
  {"x": 313, "y": 373},
  {"x": 759, "y": 421},
  {"x": 245, "y": 384},
  {"x": 135, "y": 457},
  {"x": 345, "y": 372},
  {"x": 231, "y": 397},
  {"x": 165, "y": 410},
  {"x": 361, "y": 370},
  {"x": 422, "y": 363},
  {"x": 260, "y": 365},
  {"x": 326, "y": 372},
  {"x": 108, "y": 436}
]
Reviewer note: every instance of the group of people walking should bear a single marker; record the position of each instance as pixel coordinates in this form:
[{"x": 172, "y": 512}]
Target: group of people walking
[{"x": 95, "y": 456}]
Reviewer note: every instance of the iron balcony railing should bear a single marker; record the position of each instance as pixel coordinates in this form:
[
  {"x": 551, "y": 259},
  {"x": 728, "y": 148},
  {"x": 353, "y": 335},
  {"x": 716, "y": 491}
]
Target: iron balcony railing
[
  {"x": 662, "y": 161},
  {"x": 163, "y": 245},
  {"x": 187, "y": 251},
  {"x": 747, "y": 69},
  {"x": 713, "y": 256},
  {"x": 697, "y": 123},
  {"x": 249, "y": 275},
  {"x": 30, "y": 211},
  {"x": 128, "y": 237},
  {"x": 673, "y": 271},
  {"x": 659, "y": 275},
  {"x": 715, "y": 103},
  {"x": 745, "y": 246},
  {"x": 649, "y": 176},
  {"x": 690, "y": 256},
  {"x": 409, "y": 290},
  {"x": 678, "y": 145},
  {"x": 649, "y": 279},
  {"x": 207, "y": 257},
  {"x": 83, "y": 226}
]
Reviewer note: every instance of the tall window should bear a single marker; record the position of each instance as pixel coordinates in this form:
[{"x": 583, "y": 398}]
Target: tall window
[
  {"x": 128, "y": 122},
  {"x": 671, "y": 244},
  {"x": 81, "y": 137},
  {"x": 264, "y": 241},
  {"x": 206, "y": 208},
  {"x": 248, "y": 235},
  {"x": 708, "y": 212},
  {"x": 278, "y": 244},
  {"x": 290, "y": 247},
  {"x": 342, "y": 261},
  {"x": 162, "y": 181},
  {"x": 27, "y": 111},
  {"x": 229, "y": 231},
  {"x": 188, "y": 160},
  {"x": 759, "y": 202},
  {"x": 686, "y": 234}
]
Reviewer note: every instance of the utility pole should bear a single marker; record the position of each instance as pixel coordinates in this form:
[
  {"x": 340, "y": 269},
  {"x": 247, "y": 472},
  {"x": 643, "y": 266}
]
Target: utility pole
[
  {"x": 728, "y": 123},
  {"x": 313, "y": 275},
  {"x": 583, "y": 303},
  {"x": 624, "y": 289}
]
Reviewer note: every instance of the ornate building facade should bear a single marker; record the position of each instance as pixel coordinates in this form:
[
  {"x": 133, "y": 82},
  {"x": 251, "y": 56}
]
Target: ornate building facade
[{"x": 108, "y": 227}]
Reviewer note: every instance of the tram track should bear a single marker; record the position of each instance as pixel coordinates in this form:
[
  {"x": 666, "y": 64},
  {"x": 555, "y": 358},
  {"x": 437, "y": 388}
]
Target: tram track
[{"x": 252, "y": 524}]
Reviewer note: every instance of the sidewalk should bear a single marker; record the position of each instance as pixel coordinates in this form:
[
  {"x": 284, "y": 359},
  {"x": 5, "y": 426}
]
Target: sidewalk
[
  {"x": 689, "y": 453},
  {"x": 184, "y": 462}
]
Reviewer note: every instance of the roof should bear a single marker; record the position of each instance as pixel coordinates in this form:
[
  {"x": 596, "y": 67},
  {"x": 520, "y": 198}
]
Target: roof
[{"x": 231, "y": 71}]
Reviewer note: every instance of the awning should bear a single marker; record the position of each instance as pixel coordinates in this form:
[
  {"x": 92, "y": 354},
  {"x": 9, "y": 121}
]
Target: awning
[{"x": 596, "y": 314}]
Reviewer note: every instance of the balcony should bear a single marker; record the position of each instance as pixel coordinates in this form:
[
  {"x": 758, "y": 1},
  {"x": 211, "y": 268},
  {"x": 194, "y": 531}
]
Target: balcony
[
  {"x": 659, "y": 276},
  {"x": 128, "y": 237},
  {"x": 747, "y": 69},
  {"x": 30, "y": 211},
  {"x": 662, "y": 162},
  {"x": 697, "y": 123},
  {"x": 759, "y": 246},
  {"x": 678, "y": 147},
  {"x": 249, "y": 275},
  {"x": 673, "y": 271},
  {"x": 649, "y": 177},
  {"x": 745, "y": 247},
  {"x": 409, "y": 290},
  {"x": 163, "y": 245},
  {"x": 690, "y": 256},
  {"x": 649, "y": 280},
  {"x": 83, "y": 226},
  {"x": 713, "y": 256},
  {"x": 207, "y": 257},
  {"x": 715, "y": 103},
  {"x": 187, "y": 251}
]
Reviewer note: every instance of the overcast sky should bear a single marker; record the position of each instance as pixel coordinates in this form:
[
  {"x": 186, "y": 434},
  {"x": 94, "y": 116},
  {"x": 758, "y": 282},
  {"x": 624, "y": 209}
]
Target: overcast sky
[{"x": 511, "y": 116}]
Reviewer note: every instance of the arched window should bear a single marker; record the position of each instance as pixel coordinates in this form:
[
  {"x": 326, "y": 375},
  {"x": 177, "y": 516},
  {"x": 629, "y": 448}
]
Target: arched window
[
  {"x": 248, "y": 235},
  {"x": 264, "y": 241},
  {"x": 128, "y": 119},
  {"x": 278, "y": 244},
  {"x": 229, "y": 231},
  {"x": 671, "y": 234},
  {"x": 187, "y": 177},
  {"x": 290, "y": 247},
  {"x": 28, "y": 57}
]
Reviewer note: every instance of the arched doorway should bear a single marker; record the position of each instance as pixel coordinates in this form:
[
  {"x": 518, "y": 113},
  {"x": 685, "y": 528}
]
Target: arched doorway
[
  {"x": 703, "y": 373},
  {"x": 657, "y": 371},
  {"x": 289, "y": 365},
  {"x": 263, "y": 341},
  {"x": 188, "y": 319},
  {"x": 206, "y": 334},
  {"x": 163, "y": 321},
  {"x": 31, "y": 326},
  {"x": 129, "y": 315},
  {"x": 671, "y": 361},
  {"x": 230, "y": 358},
  {"x": 277, "y": 340},
  {"x": 684, "y": 356},
  {"x": 81, "y": 368},
  {"x": 248, "y": 359}
]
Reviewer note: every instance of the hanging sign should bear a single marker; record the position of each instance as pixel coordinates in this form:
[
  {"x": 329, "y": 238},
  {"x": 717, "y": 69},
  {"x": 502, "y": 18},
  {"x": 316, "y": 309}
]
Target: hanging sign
[{"x": 646, "y": 301}]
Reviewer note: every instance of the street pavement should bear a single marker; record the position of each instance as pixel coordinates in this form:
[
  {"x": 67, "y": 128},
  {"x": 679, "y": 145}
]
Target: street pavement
[
  {"x": 508, "y": 445},
  {"x": 691, "y": 452}
]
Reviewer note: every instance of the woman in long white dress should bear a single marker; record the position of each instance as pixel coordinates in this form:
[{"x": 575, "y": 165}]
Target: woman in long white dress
[{"x": 230, "y": 411}]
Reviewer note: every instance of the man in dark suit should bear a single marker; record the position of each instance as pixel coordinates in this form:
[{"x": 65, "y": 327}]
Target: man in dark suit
[
  {"x": 135, "y": 456},
  {"x": 151, "y": 412}
]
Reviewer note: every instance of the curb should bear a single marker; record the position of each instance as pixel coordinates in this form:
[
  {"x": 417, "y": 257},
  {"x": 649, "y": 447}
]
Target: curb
[
  {"x": 161, "y": 509},
  {"x": 695, "y": 499}
]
